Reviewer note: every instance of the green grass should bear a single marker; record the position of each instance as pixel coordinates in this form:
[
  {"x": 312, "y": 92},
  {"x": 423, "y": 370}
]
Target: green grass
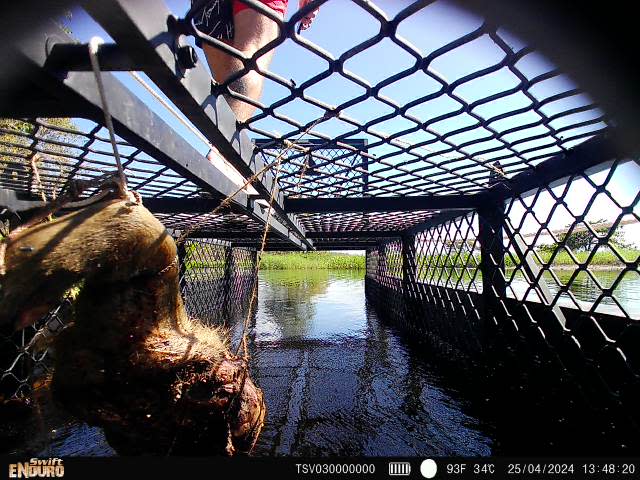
[
  {"x": 341, "y": 261},
  {"x": 312, "y": 261},
  {"x": 602, "y": 257}
]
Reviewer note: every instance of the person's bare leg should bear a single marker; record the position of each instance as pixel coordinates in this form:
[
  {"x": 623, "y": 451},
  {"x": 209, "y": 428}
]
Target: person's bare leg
[{"x": 252, "y": 31}]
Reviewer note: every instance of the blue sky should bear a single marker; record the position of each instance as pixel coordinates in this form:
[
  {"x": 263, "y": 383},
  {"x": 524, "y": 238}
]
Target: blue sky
[{"x": 341, "y": 24}]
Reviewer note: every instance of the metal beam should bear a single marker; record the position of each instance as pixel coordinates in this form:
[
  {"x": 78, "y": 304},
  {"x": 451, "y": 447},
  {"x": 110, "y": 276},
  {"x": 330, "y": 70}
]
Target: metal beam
[
  {"x": 75, "y": 57},
  {"x": 354, "y": 234},
  {"x": 142, "y": 27},
  {"x": 345, "y": 246},
  {"x": 29, "y": 101},
  {"x": 180, "y": 205},
  {"x": 592, "y": 156},
  {"x": 379, "y": 204},
  {"x": 136, "y": 123},
  {"x": 436, "y": 220},
  {"x": 491, "y": 220},
  {"x": 316, "y": 236},
  {"x": 20, "y": 21},
  {"x": 10, "y": 200},
  {"x": 248, "y": 237}
]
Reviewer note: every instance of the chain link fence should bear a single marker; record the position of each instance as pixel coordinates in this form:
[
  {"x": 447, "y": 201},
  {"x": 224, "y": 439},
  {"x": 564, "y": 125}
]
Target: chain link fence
[{"x": 24, "y": 355}]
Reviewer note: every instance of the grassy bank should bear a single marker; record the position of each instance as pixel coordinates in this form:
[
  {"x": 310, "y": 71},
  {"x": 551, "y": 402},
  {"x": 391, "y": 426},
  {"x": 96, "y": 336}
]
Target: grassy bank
[
  {"x": 311, "y": 261},
  {"x": 340, "y": 261},
  {"x": 603, "y": 258}
]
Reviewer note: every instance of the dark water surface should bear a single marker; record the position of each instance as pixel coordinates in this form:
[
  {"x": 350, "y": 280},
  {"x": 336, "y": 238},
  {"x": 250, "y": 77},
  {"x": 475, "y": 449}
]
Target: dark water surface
[{"x": 340, "y": 381}]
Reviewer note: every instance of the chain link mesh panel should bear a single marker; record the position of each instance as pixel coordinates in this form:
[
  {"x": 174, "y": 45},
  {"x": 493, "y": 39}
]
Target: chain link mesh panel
[
  {"x": 327, "y": 172},
  {"x": 216, "y": 285},
  {"x": 499, "y": 102},
  {"x": 217, "y": 279},
  {"x": 552, "y": 285},
  {"x": 25, "y": 356},
  {"x": 62, "y": 149}
]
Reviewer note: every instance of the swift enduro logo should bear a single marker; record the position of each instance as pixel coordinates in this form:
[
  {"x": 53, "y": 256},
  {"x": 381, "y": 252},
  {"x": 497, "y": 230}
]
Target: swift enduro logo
[{"x": 37, "y": 468}]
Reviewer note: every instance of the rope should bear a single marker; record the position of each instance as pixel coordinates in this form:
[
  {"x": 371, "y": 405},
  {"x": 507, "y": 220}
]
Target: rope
[
  {"x": 290, "y": 145},
  {"x": 36, "y": 176},
  {"x": 178, "y": 116},
  {"x": 263, "y": 243},
  {"x": 94, "y": 44}
]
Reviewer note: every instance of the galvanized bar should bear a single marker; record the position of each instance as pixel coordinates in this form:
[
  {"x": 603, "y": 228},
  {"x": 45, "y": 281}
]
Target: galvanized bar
[
  {"x": 379, "y": 204},
  {"x": 143, "y": 28},
  {"x": 139, "y": 125}
]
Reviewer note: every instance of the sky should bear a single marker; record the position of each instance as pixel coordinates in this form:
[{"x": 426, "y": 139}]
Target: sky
[{"x": 341, "y": 25}]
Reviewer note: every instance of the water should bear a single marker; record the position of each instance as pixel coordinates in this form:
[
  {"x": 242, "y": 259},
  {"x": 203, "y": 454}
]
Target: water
[
  {"x": 586, "y": 288},
  {"x": 338, "y": 380}
]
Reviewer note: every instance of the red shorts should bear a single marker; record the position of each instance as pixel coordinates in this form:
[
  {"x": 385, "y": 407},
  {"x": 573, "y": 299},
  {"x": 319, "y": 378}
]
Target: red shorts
[
  {"x": 215, "y": 18},
  {"x": 279, "y": 6}
]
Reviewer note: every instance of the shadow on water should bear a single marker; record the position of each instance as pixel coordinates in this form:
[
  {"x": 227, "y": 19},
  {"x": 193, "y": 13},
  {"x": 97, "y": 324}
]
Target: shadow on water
[{"x": 339, "y": 381}]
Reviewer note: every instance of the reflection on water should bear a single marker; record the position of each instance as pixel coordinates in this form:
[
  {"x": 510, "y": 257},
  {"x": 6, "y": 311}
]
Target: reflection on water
[
  {"x": 586, "y": 288},
  {"x": 338, "y": 382}
]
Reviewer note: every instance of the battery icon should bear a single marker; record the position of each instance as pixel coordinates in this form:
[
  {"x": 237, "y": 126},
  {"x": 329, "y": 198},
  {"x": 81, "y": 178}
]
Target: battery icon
[{"x": 399, "y": 469}]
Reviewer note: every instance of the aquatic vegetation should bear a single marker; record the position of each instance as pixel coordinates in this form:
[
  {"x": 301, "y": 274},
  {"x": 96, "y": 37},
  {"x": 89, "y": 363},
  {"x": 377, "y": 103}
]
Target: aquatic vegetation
[{"x": 312, "y": 261}]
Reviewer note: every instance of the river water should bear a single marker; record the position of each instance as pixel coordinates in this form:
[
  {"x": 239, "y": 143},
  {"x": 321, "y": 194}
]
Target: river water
[{"x": 338, "y": 380}]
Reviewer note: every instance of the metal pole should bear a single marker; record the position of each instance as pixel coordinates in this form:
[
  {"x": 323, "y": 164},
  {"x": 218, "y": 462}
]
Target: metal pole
[
  {"x": 229, "y": 287},
  {"x": 409, "y": 266},
  {"x": 490, "y": 222},
  {"x": 182, "y": 267}
]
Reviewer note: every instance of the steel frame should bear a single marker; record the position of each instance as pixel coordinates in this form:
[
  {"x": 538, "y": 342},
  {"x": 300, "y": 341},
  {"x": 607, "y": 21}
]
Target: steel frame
[
  {"x": 434, "y": 223},
  {"x": 143, "y": 29},
  {"x": 149, "y": 38},
  {"x": 75, "y": 92}
]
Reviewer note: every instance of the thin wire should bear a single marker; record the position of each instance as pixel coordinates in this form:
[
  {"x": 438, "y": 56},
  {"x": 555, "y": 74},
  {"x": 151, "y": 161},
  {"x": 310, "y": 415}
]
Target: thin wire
[
  {"x": 94, "y": 44},
  {"x": 170, "y": 108},
  {"x": 254, "y": 292},
  {"x": 290, "y": 145},
  {"x": 204, "y": 139},
  {"x": 277, "y": 163}
]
